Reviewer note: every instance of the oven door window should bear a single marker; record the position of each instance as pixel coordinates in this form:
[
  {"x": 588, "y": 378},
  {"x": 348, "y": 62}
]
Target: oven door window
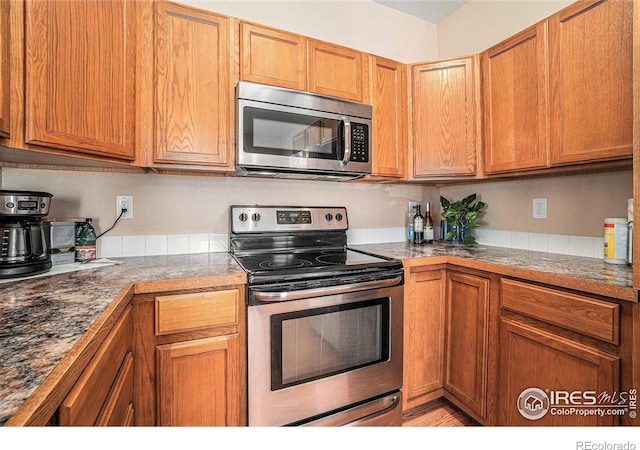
[
  {"x": 317, "y": 343},
  {"x": 292, "y": 135}
]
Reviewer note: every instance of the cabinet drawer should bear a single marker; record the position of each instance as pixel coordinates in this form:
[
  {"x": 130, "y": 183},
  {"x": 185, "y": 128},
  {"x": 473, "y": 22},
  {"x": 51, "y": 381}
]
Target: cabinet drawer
[
  {"x": 190, "y": 312},
  {"x": 87, "y": 398},
  {"x": 595, "y": 318},
  {"x": 116, "y": 411}
]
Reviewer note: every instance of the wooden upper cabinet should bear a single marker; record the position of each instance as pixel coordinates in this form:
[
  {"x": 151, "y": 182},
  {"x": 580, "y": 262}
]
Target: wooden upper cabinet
[
  {"x": 79, "y": 76},
  {"x": 336, "y": 71},
  {"x": 446, "y": 117},
  {"x": 388, "y": 94},
  {"x": 273, "y": 57},
  {"x": 5, "y": 70},
  {"x": 194, "y": 93},
  {"x": 515, "y": 85},
  {"x": 591, "y": 82}
]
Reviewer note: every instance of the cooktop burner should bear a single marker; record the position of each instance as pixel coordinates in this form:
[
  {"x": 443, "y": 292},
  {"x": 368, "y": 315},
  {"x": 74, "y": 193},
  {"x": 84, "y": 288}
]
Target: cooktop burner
[
  {"x": 338, "y": 260},
  {"x": 276, "y": 262}
]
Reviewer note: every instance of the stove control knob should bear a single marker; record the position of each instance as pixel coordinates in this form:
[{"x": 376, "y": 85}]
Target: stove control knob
[
  {"x": 243, "y": 217},
  {"x": 255, "y": 217},
  {"x": 329, "y": 217},
  {"x": 338, "y": 217}
]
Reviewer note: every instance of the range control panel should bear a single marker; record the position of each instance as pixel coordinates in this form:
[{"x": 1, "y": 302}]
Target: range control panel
[{"x": 268, "y": 219}]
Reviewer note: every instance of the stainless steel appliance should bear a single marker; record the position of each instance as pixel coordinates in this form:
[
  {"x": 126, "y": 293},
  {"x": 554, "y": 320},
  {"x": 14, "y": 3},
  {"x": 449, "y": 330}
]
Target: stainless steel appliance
[
  {"x": 61, "y": 239},
  {"x": 293, "y": 134},
  {"x": 324, "y": 321},
  {"x": 24, "y": 248}
]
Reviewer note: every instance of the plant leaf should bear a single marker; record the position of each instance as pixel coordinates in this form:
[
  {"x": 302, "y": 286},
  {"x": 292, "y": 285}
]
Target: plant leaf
[
  {"x": 450, "y": 213},
  {"x": 471, "y": 215},
  {"x": 478, "y": 206},
  {"x": 444, "y": 202},
  {"x": 450, "y": 235},
  {"x": 468, "y": 200},
  {"x": 470, "y": 240}
]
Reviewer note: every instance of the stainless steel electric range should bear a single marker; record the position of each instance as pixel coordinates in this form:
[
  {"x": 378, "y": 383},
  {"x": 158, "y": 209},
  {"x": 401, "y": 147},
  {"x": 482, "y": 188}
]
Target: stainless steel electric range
[{"x": 324, "y": 321}]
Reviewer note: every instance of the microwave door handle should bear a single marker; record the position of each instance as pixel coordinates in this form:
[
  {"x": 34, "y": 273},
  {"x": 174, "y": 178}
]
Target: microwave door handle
[{"x": 346, "y": 141}]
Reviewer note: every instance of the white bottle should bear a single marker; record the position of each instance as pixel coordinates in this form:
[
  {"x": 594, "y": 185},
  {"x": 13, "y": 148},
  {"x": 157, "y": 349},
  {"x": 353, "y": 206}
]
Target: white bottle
[{"x": 428, "y": 225}]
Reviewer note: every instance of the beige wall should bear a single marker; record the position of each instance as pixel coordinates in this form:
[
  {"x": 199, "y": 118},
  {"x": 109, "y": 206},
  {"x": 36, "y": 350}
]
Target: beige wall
[
  {"x": 171, "y": 204},
  {"x": 480, "y": 24},
  {"x": 361, "y": 24},
  {"x": 576, "y": 205}
]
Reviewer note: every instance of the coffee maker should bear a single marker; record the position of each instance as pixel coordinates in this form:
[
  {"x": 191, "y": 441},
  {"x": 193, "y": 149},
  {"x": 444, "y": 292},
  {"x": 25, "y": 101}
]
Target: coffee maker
[{"x": 23, "y": 249}]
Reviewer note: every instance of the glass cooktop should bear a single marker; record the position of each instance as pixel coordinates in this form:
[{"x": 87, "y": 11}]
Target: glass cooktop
[{"x": 337, "y": 261}]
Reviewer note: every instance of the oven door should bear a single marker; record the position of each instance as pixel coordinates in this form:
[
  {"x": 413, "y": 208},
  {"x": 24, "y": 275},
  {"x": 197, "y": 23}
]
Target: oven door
[{"x": 315, "y": 357}]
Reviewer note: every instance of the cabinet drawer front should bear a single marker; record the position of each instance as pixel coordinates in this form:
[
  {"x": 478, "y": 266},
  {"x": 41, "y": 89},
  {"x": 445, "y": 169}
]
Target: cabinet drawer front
[
  {"x": 189, "y": 312},
  {"x": 85, "y": 401},
  {"x": 117, "y": 407},
  {"x": 574, "y": 312}
]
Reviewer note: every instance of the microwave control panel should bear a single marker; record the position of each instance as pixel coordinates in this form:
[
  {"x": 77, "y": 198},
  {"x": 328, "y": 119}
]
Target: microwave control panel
[{"x": 359, "y": 142}]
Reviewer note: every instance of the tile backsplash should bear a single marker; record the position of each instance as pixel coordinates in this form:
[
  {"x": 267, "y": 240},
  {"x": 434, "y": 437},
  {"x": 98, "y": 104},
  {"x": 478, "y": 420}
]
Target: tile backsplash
[{"x": 174, "y": 244}]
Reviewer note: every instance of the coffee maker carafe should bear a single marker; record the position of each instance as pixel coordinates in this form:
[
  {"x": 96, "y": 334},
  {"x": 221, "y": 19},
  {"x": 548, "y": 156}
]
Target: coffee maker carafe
[{"x": 23, "y": 249}]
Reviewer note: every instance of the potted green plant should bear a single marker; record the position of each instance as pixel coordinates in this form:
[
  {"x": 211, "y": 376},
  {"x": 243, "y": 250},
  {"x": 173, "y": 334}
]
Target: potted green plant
[{"x": 461, "y": 216}]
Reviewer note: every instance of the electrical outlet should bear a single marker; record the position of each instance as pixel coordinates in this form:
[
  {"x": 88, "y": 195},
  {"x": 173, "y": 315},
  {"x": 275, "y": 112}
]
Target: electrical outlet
[
  {"x": 124, "y": 202},
  {"x": 412, "y": 206},
  {"x": 539, "y": 208}
]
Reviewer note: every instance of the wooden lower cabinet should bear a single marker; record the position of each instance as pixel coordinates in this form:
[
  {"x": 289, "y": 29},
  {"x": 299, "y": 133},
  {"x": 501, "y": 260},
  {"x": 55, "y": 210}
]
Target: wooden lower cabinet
[
  {"x": 467, "y": 342},
  {"x": 532, "y": 358},
  {"x": 447, "y": 317},
  {"x": 423, "y": 350},
  {"x": 561, "y": 352},
  {"x": 103, "y": 395},
  {"x": 190, "y": 348},
  {"x": 198, "y": 382}
]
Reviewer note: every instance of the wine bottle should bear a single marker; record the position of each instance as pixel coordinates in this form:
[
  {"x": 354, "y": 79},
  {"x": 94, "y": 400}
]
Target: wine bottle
[
  {"x": 428, "y": 224},
  {"x": 418, "y": 227}
]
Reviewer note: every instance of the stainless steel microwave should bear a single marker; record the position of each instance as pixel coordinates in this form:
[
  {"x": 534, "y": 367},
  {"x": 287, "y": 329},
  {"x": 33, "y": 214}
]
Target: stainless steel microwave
[{"x": 293, "y": 134}]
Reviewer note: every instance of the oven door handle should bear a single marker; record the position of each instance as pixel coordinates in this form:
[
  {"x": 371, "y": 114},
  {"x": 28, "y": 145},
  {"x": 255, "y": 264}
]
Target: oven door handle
[
  {"x": 359, "y": 415},
  {"x": 318, "y": 292}
]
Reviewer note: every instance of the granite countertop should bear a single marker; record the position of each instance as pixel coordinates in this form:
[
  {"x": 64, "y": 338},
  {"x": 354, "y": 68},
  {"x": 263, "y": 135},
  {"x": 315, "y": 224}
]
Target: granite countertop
[
  {"x": 590, "y": 275},
  {"x": 44, "y": 318}
]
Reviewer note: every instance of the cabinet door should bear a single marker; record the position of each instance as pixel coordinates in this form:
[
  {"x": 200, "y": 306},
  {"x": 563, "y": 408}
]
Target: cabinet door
[
  {"x": 515, "y": 83},
  {"x": 591, "y": 82},
  {"x": 446, "y": 115},
  {"x": 273, "y": 57},
  {"x": 467, "y": 339},
  {"x": 5, "y": 69},
  {"x": 423, "y": 338},
  {"x": 336, "y": 71},
  {"x": 80, "y": 73},
  {"x": 193, "y": 97},
  {"x": 198, "y": 382},
  {"x": 533, "y": 358},
  {"x": 388, "y": 87}
]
